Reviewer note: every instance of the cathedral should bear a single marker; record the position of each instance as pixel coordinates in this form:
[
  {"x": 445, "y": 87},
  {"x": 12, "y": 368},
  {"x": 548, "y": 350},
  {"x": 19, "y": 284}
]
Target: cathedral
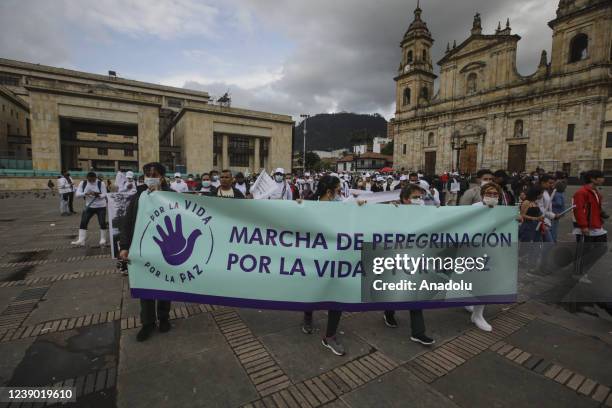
[{"x": 481, "y": 113}]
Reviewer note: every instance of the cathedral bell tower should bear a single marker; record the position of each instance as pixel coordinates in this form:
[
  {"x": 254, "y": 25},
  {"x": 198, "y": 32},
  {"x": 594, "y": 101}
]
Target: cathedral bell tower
[{"x": 415, "y": 79}]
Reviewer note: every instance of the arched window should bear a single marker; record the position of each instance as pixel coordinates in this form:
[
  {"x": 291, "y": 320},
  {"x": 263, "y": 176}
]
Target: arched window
[
  {"x": 579, "y": 47},
  {"x": 406, "y": 100},
  {"x": 518, "y": 128},
  {"x": 409, "y": 57},
  {"x": 431, "y": 140},
  {"x": 425, "y": 93},
  {"x": 471, "y": 83},
  {"x": 424, "y": 55}
]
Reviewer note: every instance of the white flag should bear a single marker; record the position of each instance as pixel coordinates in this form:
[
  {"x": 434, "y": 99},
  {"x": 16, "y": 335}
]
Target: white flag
[{"x": 263, "y": 187}]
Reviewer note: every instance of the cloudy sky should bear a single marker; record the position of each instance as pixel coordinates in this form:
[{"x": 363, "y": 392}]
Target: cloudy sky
[{"x": 287, "y": 56}]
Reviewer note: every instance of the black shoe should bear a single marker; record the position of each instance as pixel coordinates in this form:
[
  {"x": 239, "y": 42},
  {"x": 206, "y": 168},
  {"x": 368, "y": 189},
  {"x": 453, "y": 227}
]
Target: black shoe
[
  {"x": 145, "y": 332},
  {"x": 164, "y": 326},
  {"x": 390, "y": 321},
  {"x": 307, "y": 327},
  {"x": 334, "y": 345},
  {"x": 423, "y": 339}
]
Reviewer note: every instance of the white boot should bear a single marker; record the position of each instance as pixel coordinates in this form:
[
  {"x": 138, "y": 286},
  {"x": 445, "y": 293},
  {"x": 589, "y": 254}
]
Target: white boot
[
  {"x": 82, "y": 238},
  {"x": 103, "y": 237},
  {"x": 469, "y": 308},
  {"x": 479, "y": 320}
]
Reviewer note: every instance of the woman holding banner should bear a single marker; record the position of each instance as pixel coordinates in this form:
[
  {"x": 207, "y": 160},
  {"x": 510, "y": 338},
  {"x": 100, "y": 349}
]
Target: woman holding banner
[
  {"x": 489, "y": 197},
  {"x": 328, "y": 189}
]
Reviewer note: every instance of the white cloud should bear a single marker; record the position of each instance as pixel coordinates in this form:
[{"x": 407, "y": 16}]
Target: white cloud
[
  {"x": 161, "y": 18},
  {"x": 249, "y": 78}
]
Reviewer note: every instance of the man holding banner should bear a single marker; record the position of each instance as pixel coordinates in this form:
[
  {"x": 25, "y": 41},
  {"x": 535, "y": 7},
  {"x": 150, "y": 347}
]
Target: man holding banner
[{"x": 154, "y": 181}]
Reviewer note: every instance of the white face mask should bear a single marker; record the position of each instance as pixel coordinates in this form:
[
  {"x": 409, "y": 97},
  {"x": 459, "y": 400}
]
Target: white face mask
[
  {"x": 152, "y": 182},
  {"x": 490, "y": 201},
  {"x": 417, "y": 201},
  {"x": 279, "y": 178},
  {"x": 484, "y": 182}
]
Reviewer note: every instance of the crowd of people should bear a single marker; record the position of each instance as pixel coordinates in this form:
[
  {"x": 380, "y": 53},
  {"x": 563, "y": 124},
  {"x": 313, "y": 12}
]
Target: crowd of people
[{"x": 539, "y": 198}]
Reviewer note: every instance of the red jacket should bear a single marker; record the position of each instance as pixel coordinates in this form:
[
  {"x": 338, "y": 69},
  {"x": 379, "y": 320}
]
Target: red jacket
[{"x": 587, "y": 213}]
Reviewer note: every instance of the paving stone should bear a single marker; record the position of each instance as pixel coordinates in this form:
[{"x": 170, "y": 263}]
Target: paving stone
[
  {"x": 587, "y": 387},
  {"x": 528, "y": 389},
  {"x": 575, "y": 381},
  {"x": 579, "y": 353},
  {"x": 289, "y": 348},
  {"x": 398, "y": 385},
  {"x": 187, "y": 381},
  {"x": 187, "y": 337},
  {"x": 563, "y": 376},
  {"x": 601, "y": 393},
  {"x": 553, "y": 371}
]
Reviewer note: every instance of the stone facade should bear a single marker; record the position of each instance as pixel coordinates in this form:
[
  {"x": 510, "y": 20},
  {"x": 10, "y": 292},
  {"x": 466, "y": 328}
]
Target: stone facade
[
  {"x": 14, "y": 126},
  {"x": 484, "y": 114},
  {"x": 179, "y": 122}
]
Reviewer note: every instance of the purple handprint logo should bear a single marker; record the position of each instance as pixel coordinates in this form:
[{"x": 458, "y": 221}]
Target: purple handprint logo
[{"x": 174, "y": 247}]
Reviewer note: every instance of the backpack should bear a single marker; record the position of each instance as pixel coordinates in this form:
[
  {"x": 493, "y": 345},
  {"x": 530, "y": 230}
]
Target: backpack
[{"x": 85, "y": 183}]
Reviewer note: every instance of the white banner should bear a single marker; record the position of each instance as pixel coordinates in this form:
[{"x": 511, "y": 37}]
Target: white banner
[
  {"x": 117, "y": 206},
  {"x": 372, "y": 198},
  {"x": 263, "y": 186}
]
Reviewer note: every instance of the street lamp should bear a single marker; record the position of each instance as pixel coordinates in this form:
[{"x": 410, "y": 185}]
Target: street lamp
[
  {"x": 305, "y": 116},
  {"x": 457, "y": 145}
]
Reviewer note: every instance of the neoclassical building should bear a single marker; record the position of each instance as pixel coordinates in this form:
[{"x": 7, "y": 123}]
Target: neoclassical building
[{"x": 484, "y": 114}]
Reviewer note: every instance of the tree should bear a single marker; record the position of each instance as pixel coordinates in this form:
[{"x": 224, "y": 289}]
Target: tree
[
  {"x": 388, "y": 149},
  {"x": 312, "y": 160}
]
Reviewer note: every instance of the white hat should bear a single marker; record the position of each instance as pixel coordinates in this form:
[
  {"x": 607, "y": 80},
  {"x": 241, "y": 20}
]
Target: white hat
[
  {"x": 279, "y": 170},
  {"x": 333, "y": 174},
  {"x": 379, "y": 178},
  {"x": 423, "y": 184},
  {"x": 307, "y": 174},
  {"x": 390, "y": 177},
  {"x": 368, "y": 175},
  {"x": 403, "y": 177},
  {"x": 129, "y": 174},
  {"x": 177, "y": 174}
]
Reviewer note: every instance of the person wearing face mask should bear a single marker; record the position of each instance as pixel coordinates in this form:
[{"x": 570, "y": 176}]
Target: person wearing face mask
[
  {"x": 490, "y": 194},
  {"x": 154, "y": 181},
  {"x": 129, "y": 186},
  {"x": 328, "y": 189},
  {"x": 94, "y": 193},
  {"x": 241, "y": 184},
  {"x": 178, "y": 184},
  {"x": 472, "y": 195},
  {"x": 283, "y": 189},
  {"x": 206, "y": 188},
  {"x": 214, "y": 179},
  {"x": 411, "y": 195}
]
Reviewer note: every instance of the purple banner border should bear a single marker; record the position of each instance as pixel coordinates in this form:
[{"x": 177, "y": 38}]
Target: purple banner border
[{"x": 300, "y": 306}]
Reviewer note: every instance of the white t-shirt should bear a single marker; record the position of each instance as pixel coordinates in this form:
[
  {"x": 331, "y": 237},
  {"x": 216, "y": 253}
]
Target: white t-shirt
[
  {"x": 179, "y": 186},
  {"x": 282, "y": 192},
  {"x": 91, "y": 201}
]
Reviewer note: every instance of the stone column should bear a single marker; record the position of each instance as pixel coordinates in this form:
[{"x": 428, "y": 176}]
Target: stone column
[
  {"x": 225, "y": 153},
  {"x": 256, "y": 163},
  {"x": 148, "y": 135},
  {"x": 45, "y": 132}
]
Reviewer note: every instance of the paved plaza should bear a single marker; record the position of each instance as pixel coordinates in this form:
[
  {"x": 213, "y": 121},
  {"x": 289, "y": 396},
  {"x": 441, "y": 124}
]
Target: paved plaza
[{"x": 67, "y": 318}]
